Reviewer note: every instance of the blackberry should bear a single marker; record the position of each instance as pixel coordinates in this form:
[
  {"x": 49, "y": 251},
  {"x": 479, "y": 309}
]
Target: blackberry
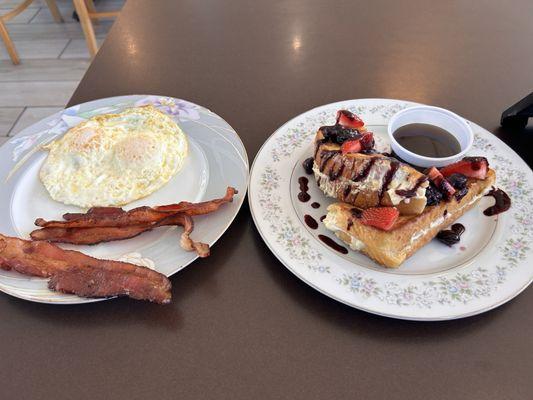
[
  {"x": 451, "y": 236},
  {"x": 433, "y": 195},
  {"x": 369, "y": 151},
  {"x": 458, "y": 229},
  {"x": 448, "y": 237},
  {"x": 460, "y": 194},
  {"x": 458, "y": 181},
  {"x": 308, "y": 165},
  {"x": 339, "y": 134}
]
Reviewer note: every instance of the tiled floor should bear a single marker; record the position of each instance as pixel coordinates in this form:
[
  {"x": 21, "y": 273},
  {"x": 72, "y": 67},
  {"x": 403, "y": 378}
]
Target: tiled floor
[{"x": 54, "y": 59}]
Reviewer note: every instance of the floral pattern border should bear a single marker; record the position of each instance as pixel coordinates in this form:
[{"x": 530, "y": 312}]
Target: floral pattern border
[
  {"x": 20, "y": 148},
  {"x": 445, "y": 289}
]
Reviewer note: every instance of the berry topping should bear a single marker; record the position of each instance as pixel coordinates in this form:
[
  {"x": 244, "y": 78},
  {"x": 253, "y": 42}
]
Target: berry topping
[
  {"x": 367, "y": 141},
  {"x": 351, "y": 146},
  {"x": 339, "y": 134},
  {"x": 349, "y": 120},
  {"x": 380, "y": 217},
  {"x": 440, "y": 182},
  {"x": 471, "y": 167},
  {"x": 308, "y": 165},
  {"x": 364, "y": 143},
  {"x": 458, "y": 228},
  {"x": 451, "y": 236},
  {"x": 433, "y": 196},
  {"x": 458, "y": 181},
  {"x": 448, "y": 237},
  {"x": 434, "y": 174}
]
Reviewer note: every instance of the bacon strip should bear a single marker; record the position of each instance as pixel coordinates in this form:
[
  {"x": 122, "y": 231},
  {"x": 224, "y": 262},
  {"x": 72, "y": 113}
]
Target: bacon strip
[
  {"x": 94, "y": 282},
  {"x": 103, "y": 277},
  {"x": 117, "y": 217},
  {"x": 136, "y": 216},
  {"x": 204, "y": 207},
  {"x": 90, "y": 236},
  {"x": 95, "y": 211},
  {"x": 101, "y": 234},
  {"x": 187, "y": 243}
]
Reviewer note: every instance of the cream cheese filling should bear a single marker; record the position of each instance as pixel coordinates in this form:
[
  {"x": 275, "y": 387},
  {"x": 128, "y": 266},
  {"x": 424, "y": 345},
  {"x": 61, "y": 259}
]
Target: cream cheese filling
[
  {"x": 371, "y": 183},
  {"x": 331, "y": 223},
  {"x": 440, "y": 220}
]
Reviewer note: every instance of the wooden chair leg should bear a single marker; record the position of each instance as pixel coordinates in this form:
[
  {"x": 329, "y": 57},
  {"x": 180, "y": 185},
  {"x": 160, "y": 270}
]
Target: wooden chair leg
[
  {"x": 52, "y": 6},
  {"x": 87, "y": 26},
  {"x": 92, "y": 9},
  {"x": 4, "y": 34}
]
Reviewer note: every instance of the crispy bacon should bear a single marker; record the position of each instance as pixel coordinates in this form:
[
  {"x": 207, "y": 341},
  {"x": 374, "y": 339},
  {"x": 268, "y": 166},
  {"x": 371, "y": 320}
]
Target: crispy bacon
[
  {"x": 89, "y": 236},
  {"x": 90, "y": 276},
  {"x": 94, "y": 282},
  {"x": 187, "y": 243},
  {"x": 95, "y": 211},
  {"x": 136, "y": 216},
  {"x": 97, "y": 235},
  {"x": 117, "y": 217},
  {"x": 204, "y": 207}
]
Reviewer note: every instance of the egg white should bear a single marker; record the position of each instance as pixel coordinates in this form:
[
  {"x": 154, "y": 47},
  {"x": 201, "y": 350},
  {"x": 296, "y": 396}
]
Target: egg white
[{"x": 114, "y": 159}]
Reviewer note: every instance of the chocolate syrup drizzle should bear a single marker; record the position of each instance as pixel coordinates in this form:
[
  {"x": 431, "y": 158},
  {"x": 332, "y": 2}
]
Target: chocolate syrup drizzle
[
  {"x": 356, "y": 213},
  {"x": 303, "y": 196},
  {"x": 366, "y": 170},
  {"x": 325, "y": 157},
  {"x": 394, "y": 165},
  {"x": 503, "y": 202},
  {"x": 333, "y": 175},
  {"x": 334, "y": 245},
  {"x": 347, "y": 191},
  {"x": 310, "y": 221},
  {"x": 408, "y": 193}
]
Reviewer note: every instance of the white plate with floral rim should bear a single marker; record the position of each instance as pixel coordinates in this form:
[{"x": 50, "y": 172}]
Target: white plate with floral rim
[
  {"x": 217, "y": 159},
  {"x": 490, "y": 266}
]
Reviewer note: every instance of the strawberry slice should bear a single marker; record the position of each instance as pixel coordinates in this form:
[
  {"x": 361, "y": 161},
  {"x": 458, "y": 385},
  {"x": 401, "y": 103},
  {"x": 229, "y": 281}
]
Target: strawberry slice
[
  {"x": 440, "y": 182},
  {"x": 435, "y": 175},
  {"x": 365, "y": 142},
  {"x": 349, "y": 120},
  {"x": 380, "y": 217},
  {"x": 352, "y": 146},
  {"x": 471, "y": 167}
]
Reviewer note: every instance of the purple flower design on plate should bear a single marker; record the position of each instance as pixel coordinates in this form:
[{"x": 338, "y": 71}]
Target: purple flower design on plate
[
  {"x": 56, "y": 126},
  {"x": 181, "y": 109}
]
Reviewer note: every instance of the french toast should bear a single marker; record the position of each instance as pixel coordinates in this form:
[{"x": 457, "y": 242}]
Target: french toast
[
  {"x": 364, "y": 179},
  {"x": 388, "y": 209},
  {"x": 408, "y": 233}
]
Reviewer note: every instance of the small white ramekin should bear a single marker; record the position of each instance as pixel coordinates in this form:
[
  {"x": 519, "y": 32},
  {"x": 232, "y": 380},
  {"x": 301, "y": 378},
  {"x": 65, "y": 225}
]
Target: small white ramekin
[{"x": 440, "y": 117}]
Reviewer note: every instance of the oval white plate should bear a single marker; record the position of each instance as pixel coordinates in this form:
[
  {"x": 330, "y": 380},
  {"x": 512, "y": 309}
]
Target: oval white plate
[
  {"x": 216, "y": 159},
  {"x": 486, "y": 269}
]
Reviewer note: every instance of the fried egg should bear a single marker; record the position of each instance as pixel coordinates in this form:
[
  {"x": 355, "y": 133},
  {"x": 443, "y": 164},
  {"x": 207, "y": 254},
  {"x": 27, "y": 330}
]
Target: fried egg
[{"x": 114, "y": 159}]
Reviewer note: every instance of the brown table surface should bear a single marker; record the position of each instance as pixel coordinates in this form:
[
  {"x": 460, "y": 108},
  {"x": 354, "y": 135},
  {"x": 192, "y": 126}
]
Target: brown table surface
[{"x": 241, "y": 326}]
